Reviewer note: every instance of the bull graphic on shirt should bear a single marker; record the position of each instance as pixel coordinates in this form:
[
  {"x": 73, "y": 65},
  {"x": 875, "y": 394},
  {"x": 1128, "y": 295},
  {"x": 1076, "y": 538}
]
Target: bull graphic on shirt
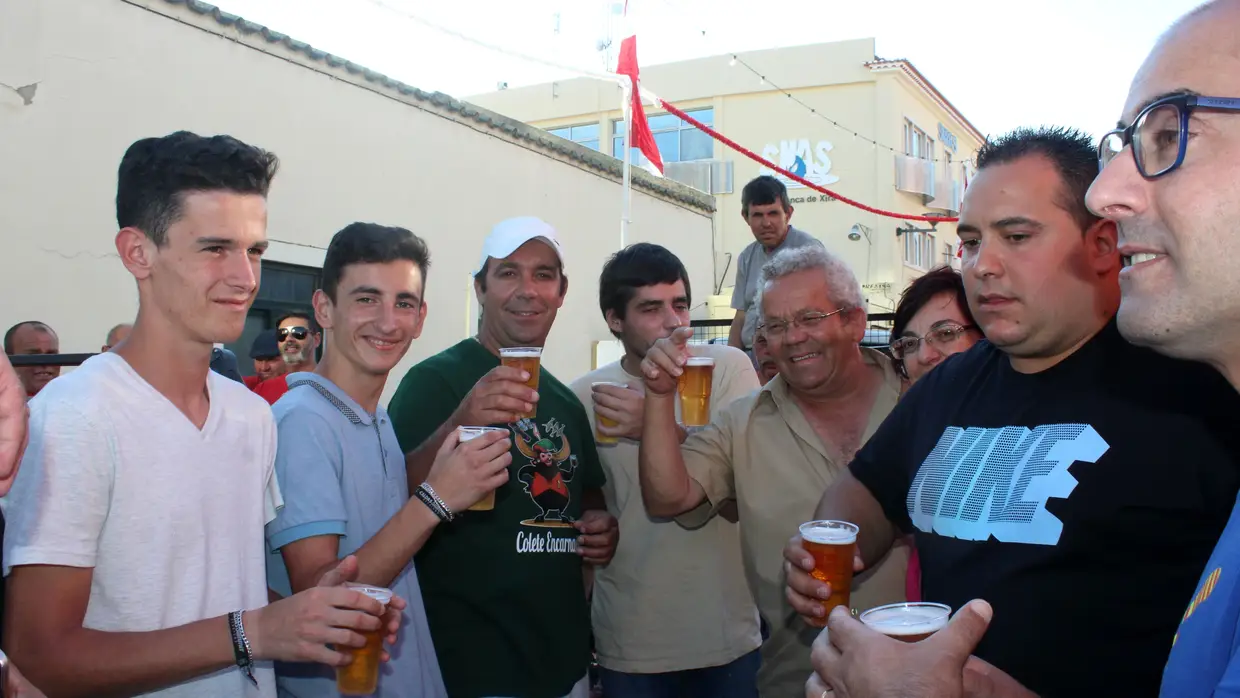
[{"x": 548, "y": 472}]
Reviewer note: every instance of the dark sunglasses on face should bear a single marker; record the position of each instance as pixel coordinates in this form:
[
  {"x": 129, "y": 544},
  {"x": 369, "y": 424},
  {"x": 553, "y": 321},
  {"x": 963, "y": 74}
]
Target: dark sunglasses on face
[{"x": 297, "y": 332}]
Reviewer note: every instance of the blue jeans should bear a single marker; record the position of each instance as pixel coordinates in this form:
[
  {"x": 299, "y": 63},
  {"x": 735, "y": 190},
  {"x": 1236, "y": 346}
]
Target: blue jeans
[{"x": 737, "y": 679}]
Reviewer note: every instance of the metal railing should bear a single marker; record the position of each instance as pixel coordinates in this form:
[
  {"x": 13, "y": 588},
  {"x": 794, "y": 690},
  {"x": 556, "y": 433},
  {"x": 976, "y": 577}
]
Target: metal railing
[
  {"x": 877, "y": 334},
  {"x": 19, "y": 360}
]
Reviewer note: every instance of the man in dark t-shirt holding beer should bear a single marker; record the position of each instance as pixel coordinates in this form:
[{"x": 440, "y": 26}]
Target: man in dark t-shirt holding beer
[{"x": 505, "y": 589}]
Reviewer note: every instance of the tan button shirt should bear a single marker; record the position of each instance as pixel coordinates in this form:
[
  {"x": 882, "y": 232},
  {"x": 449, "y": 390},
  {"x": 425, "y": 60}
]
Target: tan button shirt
[
  {"x": 762, "y": 451},
  {"x": 671, "y": 598}
]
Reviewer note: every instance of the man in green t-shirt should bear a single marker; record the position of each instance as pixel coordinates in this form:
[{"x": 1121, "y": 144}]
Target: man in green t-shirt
[{"x": 505, "y": 589}]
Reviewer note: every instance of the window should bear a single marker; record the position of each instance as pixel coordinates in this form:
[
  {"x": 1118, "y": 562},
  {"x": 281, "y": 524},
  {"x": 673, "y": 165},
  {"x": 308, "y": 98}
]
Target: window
[
  {"x": 585, "y": 134},
  {"x": 916, "y": 143},
  {"x": 919, "y": 249},
  {"x": 678, "y": 141}
]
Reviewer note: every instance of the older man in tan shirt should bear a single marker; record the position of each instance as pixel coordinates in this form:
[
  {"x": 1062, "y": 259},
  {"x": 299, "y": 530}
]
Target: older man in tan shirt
[{"x": 775, "y": 450}]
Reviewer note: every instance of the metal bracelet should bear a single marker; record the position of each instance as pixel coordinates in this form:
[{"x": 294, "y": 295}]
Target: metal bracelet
[
  {"x": 242, "y": 652},
  {"x": 431, "y": 502},
  {"x": 439, "y": 500}
]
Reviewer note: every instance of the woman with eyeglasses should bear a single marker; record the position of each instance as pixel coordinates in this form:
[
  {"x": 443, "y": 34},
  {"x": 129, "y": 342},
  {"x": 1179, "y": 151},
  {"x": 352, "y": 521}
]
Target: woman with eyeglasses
[{"x": 932, "y": 322}]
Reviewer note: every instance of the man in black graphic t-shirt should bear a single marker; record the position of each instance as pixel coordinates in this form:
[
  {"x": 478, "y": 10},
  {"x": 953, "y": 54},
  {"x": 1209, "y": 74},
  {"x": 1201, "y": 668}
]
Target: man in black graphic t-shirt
[{"x": 1071, "y": 480}]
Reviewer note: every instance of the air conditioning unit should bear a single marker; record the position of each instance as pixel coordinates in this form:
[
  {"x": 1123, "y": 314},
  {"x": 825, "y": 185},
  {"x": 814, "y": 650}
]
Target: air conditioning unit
[{"x": 710, "y": 176}]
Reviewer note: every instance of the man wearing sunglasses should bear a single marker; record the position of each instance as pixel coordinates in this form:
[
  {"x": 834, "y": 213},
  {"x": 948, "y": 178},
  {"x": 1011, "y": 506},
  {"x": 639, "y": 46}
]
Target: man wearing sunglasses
[
  {"x": 299, "y": 341},
  {"x": 1169, "y": 181},
  {"x": 1073, "y": 481}
]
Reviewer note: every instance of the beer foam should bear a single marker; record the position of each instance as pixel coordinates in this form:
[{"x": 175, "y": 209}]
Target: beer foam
[
  {"x": 700, "y": 361},
  {"x": 907, "y": 618},
  {"x": 470, "y": 433},
  {"x": 379, "y": 594},
  {"x": 829, "y": 532},
  {"x": 521, "y": 352}
]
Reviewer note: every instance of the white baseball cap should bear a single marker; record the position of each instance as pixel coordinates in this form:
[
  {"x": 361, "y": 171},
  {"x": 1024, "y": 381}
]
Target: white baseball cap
[{"x": 508, "y": 235}]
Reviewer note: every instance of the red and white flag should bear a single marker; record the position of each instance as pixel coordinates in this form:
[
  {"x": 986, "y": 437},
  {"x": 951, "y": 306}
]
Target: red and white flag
[{"x": 639, "y": 135}]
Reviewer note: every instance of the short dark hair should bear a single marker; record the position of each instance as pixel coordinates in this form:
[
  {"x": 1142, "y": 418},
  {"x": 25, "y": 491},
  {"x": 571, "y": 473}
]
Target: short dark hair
[
  {"x": 8, "y": 336},
  {"x": 371, "y": 243},
  {"x": 638, "y": 265},
  {"x": 919, "y": 292},
  {"x": 764, "y": 191},
  {"x": 1072, "y": 152},
  {"x": 156, "y": 173},
  {"x": 922, "y": 289},
  {"x": 308, "y": 316}
]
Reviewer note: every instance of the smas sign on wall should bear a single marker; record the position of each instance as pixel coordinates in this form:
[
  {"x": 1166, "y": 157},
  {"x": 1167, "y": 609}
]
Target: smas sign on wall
[{"x": 800, "y": 158}]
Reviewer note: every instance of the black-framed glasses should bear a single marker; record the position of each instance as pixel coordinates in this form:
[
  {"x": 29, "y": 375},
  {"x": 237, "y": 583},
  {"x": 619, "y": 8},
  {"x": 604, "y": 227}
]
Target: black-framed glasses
[
  {"x": 939, "y": 336},
  {"x": 1159, "y": 134},
  {"x": 776, "y": 329},
  {"x": 297, "y": 332}
]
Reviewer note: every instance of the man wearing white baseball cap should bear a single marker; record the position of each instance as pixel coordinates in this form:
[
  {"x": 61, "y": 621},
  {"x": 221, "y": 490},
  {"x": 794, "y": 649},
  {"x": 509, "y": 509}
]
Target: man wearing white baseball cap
[{"x": 504, "y": 587}]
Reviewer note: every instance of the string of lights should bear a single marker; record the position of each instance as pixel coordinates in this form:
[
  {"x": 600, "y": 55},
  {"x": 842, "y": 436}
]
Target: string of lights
[
  {"x": 612, "y": 77},
  {"x": 763, "y": 80},
  {"x": 502, "y": 50}
]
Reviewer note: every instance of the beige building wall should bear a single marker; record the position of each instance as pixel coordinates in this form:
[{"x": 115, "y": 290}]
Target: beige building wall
[
  {"x": 354, "y": 146},
  {"x": 843, "y": 81}
]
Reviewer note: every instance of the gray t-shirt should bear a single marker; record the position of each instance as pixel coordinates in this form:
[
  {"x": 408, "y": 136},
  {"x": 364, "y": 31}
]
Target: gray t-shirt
[
  {"x": 344, "y": 475},
  {"x": 749, "y": 268}
]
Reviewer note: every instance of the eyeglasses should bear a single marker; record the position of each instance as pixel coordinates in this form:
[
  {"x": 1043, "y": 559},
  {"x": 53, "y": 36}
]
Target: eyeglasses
[
  {"x": 776, "y": 329},
  {"x": 939, "y": 336},
  {"x": 297, "y": 332},
  {"x": 1159, "y": 134}
]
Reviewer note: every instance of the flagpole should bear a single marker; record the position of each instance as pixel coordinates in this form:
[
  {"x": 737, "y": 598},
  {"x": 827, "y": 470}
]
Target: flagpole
[{"x": 626, "y": 202}]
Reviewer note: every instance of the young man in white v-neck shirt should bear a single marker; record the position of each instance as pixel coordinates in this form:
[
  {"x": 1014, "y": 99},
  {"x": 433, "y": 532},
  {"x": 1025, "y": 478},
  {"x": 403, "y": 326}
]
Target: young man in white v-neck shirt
[{"x": 134, "y": 550}]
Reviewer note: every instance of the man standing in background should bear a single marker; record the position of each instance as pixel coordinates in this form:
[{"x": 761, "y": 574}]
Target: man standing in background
[
  {"x": 299, "y": 339},
  {"x": 30, "y": 338},
  {"x": 673, "y": 616},
  {"x": 116, "y": 335},
  {"x": 767, "y": 210},
  {"x": 268, "y": 381}
]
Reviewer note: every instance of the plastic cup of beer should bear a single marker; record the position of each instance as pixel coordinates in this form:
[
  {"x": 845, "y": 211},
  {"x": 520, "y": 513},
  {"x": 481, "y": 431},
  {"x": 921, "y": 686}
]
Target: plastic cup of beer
[
  {"x": 487, "y": 503},
  {"x": 833, "y": 545},
  {"x": 360, "y": 677},
  {"x": 695, "y": 382},
  {"x": 526, "y": 359},
  {"x": 909, "y": 622},
  {"x": 601, "y": 421}
]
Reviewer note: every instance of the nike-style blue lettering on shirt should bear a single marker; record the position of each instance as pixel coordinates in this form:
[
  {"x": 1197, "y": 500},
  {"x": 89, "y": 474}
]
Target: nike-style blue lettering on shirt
[
  {"x": 1203, "y": 659},
  {"x": 1082, "y": 502}
]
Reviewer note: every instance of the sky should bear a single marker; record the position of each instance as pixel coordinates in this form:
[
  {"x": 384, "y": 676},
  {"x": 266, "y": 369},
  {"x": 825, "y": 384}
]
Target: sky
[{"x": 1002, "y": 63}]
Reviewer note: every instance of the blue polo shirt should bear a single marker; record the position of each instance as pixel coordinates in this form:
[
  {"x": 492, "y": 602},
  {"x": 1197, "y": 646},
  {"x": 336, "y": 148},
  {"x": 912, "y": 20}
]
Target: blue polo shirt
[{"x": 342, "y": 473}]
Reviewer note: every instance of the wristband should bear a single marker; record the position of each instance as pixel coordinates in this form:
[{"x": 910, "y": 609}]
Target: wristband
[
  {"x": 427, "y": 495},
  {"x": 442, "y": 504},
  {"x": 242, "y": 653}
]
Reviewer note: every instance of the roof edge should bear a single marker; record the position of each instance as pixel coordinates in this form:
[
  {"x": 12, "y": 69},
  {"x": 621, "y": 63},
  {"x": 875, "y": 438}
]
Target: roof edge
[
  {"x": 248, "y": 33},
  {"x": 907, "y": 67}
]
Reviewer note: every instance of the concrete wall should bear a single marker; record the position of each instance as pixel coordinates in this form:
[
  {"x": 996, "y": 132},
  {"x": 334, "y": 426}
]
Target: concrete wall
[{"x": 113, "y": 71}]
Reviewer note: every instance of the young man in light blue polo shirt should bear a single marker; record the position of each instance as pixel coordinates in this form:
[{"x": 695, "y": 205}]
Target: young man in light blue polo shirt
[{"x": 339, "y": 463}]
